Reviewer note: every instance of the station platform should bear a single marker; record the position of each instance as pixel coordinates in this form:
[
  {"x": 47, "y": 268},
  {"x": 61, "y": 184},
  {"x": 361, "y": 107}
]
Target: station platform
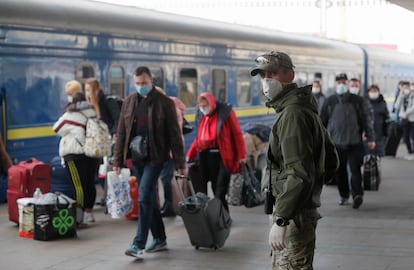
[{"x": 379, "y": 235}]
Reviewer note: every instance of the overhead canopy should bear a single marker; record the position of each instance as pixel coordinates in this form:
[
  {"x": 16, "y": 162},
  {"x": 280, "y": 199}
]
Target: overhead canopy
[{"x": 408, "y": 4}]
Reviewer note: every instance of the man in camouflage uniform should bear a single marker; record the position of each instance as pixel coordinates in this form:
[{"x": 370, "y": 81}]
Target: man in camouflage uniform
[{"x": 301, "y": 156}]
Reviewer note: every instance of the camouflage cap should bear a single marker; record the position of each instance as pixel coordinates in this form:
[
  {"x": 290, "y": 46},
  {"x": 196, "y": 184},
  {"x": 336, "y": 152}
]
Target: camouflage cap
[{"x": 271, "y": 62}]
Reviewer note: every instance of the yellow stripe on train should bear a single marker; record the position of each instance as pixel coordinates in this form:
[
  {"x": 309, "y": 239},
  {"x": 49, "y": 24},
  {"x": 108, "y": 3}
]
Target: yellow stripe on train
[
  {"x": 241, "y": 112},
  {"x": 47, "y": 131},
  {"x": 29, "y": 133}
]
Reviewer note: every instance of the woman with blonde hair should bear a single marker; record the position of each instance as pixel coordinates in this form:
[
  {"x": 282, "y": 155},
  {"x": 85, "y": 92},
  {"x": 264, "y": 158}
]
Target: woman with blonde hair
[{"x": 96, "y": 97}]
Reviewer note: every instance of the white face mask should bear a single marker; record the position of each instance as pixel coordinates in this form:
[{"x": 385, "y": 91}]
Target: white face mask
[
  {"x": 271, "y": 88},
  {"x": 341, "y": 89},
  {"x": 205, "y": 110},
  {"x": 70, "y": 99},
  {"x": 406, "y": 91},
  {"x": 373, "y": 95},
  {"x": 316, "y": 90},
  {"x": 354, "y": 90},
  {"x": 87, "y": 94}
]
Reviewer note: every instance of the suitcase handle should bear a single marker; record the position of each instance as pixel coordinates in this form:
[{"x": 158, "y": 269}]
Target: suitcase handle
[{"x": 190, "y": 184}]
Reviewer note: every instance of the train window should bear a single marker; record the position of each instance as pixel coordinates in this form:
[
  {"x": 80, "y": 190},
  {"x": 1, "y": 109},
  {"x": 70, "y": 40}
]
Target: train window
[
  {"x": 117, "y": 81},
  {"x": 84, "y": 71},
  {"x": 243, "y": 88},
  {"x": 158, "y": 76},
  {"x": 301, "y": 78},
  {"x": 330, "y": 86},
  {"x": 218, "y": 84},
  {"x": 188, "y": 86}
]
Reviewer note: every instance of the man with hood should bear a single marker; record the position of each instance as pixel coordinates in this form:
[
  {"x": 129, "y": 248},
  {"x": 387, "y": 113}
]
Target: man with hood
[
  {"x": 219, "y": 145},
  {"x": 300, "y": 157}
]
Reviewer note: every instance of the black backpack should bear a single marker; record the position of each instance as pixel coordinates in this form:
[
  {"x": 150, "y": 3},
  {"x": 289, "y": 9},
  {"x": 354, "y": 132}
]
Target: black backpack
[{"x": 114, "y": 104}]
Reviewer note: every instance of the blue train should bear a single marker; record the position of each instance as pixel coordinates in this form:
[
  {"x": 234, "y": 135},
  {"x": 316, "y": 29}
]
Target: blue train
[{"x": 43, "y": 44}]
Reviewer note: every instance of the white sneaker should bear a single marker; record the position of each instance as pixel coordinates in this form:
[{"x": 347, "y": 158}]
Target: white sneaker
[
  {"x": 88, "y": 217},
  {"x": 409, "y": 157}
]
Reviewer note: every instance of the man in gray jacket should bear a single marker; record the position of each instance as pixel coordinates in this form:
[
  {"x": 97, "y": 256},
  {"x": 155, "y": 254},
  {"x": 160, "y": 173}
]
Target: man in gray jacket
[{"x": 348, "y": 121}]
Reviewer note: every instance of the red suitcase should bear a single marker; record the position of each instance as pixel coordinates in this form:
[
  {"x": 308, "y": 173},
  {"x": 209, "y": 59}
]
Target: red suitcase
[{"x": 23, "y": 180}]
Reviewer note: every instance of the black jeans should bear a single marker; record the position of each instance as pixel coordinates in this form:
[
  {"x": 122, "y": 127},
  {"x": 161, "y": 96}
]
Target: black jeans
[
  {"x": 212, "y": 169},
  {"x": 408, "y": 136},
  {"x": 352, "y": 154}
]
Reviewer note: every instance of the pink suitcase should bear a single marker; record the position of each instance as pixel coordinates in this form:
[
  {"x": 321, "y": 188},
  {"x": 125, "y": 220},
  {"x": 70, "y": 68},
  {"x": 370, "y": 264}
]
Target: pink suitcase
[{"x": 23, "y": 180}]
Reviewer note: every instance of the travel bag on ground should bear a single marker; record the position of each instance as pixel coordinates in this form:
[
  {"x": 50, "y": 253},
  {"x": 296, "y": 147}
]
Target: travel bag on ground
[
  {"x": 371, "y": 172},
  {"x": 251, "y": 195},
  {"x": 54, "y": 217},
  {"x": 134, "y": 193},
  {"x": 23, "y": 180},
  {"x": 393, "y": 139},
  {"x": 206, "y": 220},
  {"x": 59, "y": 178}
]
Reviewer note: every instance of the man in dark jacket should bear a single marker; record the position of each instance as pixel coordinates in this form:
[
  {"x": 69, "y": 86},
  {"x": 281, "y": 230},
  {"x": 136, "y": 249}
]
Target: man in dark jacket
[
  {"x": 300, "y": 156},
  {"x": 348, "y": 119},
  {"x": 148, "y": 116}
]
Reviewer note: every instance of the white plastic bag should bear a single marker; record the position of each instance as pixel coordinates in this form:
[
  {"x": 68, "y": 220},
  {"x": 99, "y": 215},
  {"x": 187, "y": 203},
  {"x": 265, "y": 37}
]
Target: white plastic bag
[{"x": 118, "y": 199}]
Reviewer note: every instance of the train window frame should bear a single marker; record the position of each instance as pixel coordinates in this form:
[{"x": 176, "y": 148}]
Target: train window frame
[
  {"x": 158, "y": 80},
  {"x": 301, "y": 78},
  {"x": 117, "y": 80},
  {"x": 81, "y": 68},
  {"x": 239, "y": 91},
  {"x": 190, "y": 100},
  {"x": 218, "y": 87}
]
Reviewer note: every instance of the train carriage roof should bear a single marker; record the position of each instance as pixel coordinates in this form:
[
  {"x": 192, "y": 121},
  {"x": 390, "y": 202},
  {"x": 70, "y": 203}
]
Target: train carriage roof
[{"x": 98, "y": 17}]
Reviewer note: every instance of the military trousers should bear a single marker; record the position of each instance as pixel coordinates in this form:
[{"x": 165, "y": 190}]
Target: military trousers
[{"x": 300, "y": 243}]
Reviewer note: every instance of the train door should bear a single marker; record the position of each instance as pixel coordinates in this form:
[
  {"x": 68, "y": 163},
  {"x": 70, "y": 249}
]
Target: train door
[
  {"x": 116, "y": 81},
  {"x": 83, "y": 72},
  {"x": 219, "y": 84},
  {"x": 188, "y": 85}
]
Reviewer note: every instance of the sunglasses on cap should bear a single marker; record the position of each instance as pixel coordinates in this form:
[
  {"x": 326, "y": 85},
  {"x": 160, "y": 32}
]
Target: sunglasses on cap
[{"x": 262, "y": 60}]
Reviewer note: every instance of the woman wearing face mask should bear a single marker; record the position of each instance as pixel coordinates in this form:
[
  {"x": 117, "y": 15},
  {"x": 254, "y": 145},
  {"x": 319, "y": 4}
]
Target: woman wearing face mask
[
  {"x": 219, "y": 145},
  {"x": 71, "y": 88},
  {"x": 405, "y": 106},
  {"x": 381, "y": 116}
]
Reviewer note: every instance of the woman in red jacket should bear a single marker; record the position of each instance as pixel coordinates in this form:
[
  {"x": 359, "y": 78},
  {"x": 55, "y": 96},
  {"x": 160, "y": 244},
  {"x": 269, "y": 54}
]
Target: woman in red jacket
[{"x": 219, "y": 145}]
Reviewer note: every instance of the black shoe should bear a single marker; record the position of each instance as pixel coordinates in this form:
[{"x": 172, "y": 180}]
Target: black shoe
[
  {"x": 167, "y": 213},
  {"x": 357, "y": 202}
]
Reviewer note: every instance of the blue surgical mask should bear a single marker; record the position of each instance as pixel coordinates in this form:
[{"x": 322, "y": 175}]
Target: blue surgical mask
[
  {"x": 341, "y": 89},
  {"x": 142, "y": 90},
  {"x": 205, "y": 110}
]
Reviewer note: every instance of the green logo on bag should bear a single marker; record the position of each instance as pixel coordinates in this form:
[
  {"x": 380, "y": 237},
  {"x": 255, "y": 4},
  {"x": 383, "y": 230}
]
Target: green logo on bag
[{"x": 63, "y": 222}]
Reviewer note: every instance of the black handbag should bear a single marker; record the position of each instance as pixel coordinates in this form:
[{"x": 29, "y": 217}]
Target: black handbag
[
  {"x": 251, "y": 190},
  {"x": 55, "y": 220},
  {"x": 187, "y": 127},
  {"x": 139, "y": 148}
]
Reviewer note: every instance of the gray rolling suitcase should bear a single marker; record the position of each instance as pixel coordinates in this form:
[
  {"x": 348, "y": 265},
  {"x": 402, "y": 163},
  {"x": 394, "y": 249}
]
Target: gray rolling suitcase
[{"x": 206, "y": 220}]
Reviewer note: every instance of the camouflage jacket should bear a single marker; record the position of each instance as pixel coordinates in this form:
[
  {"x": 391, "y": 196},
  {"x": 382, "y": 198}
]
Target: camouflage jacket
[{"x": 300, "y": 154}]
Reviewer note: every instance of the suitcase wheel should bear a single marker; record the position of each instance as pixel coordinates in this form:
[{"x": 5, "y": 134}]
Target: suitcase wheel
[{"x": 197, "y": 247}]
